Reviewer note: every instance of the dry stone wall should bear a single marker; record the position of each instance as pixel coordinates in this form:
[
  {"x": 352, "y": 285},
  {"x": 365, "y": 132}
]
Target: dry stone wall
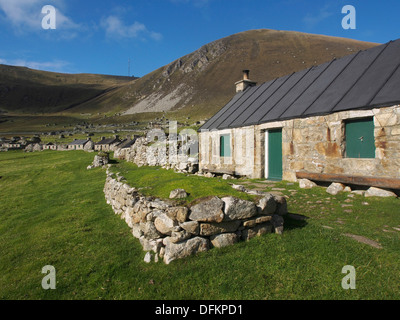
[
  {"x": 164, "y": 154},
  {"x": 169, "y": 232}
]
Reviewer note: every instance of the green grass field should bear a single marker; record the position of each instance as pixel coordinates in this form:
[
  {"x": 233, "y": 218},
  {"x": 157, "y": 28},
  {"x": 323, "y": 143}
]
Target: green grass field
[{"x": 53, "y": 212}]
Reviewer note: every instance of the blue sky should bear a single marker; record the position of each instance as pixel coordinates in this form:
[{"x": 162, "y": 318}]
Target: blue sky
[{"x": 101, "y": 36}]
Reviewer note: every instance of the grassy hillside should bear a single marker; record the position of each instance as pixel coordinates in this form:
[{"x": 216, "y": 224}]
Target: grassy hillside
[
  {"x": 196, "y": 85},
  {"x": 33, "y": 91},
  {"x": 53, "y": 212}
]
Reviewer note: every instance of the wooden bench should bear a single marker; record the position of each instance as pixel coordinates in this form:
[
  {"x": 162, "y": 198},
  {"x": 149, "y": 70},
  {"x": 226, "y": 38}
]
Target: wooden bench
[{"x": 388, "y": 183}]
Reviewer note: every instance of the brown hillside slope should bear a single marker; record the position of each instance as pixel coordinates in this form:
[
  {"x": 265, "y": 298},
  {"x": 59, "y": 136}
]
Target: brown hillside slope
[
  {"x": 200, "y": 83},
  {"x": 196, "y": 85}
]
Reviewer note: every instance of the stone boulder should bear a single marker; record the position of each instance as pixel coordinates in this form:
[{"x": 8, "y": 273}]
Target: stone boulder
[
  {"x": 335, "y": 188},
  {"x": 306, "y": 184},
  {"x": 258, "y": 230},
  {"x": 149, "y": 230},
  {"x": 208, "y": 211},
  {"x": 377, "y": 192},
  {"x": 164, "y": 224},
  {"x": 281, "y": 205},
  {"x": 178, "y": 194},
  {"x": 184, "y": 249},
  {"x": 179, "y": 236},
  {"x": 224, "y": 239},
  {"x": 210, "y": 229},
  {"x": 239, "y": 187},
  {"x": 267, "y": 205},
  {"x": 236, "y": 209},
  {"x": 193, "y": 227},
  {"x": 179, "y": 214},
  {"x": 100, "y": 160}
]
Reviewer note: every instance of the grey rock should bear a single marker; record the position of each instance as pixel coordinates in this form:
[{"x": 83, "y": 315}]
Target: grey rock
[
  {"x": 150, "y": 245},
  {"x": 100, "y": 161},
  {"x": 178, "y": 213},
  {"x": 209, "y": 229},
  {"x": 192, "y": 227},
  {"x": 164, "y": 224},
  {"x": 136, "y": 231},
  {"x": 267, "y": 205},
  {"x": 306, "y": 184},
  {"x": 178, "y": 194},
  {"x": 255, "y": 192},
  {"x": 281, "y": 205},
  {"x": 149, "y": 230},
  {"x": 239, "y": 187},
  {"x": 184, "y": 249},
  {"x": 224, "y": 240},
  {"x": 208, "y": 211},
  {"x": 258, "y": 230},
  {"x": 236, "y": 209},
  {"x": 258, "y": 220},
  {"x": 179, "y": 236},
  {"x": 377, "y": 192},
  {"x": 147, "y": 257},
  {"x": 335, "y": 188},
  {"x": 359, "y": 192}
]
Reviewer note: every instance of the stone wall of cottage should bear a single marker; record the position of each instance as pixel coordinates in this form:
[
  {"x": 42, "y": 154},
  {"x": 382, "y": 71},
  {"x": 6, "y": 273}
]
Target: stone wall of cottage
[
  {"x": 241, "y": 162},
  {"x": 314, "y": 144},
  {"x": 169, "y": 232}
]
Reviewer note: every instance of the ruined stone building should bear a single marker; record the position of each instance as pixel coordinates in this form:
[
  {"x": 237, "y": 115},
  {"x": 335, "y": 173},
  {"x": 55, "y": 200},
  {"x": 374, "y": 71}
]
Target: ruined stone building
[{"x": 339, "y": 121}]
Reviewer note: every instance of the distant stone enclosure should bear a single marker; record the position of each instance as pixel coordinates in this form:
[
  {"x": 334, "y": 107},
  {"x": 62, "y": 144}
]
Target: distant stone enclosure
[{"x": 171, "y": 232}]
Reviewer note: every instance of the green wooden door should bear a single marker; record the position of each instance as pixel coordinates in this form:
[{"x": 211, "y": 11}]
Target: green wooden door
[
  {"x": 360, "y": 140},
  {"x": 275, "y": 154}
]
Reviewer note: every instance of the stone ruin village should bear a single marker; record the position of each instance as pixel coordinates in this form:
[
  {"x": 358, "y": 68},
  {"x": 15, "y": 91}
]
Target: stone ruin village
[{"x": 337, "y": 123}]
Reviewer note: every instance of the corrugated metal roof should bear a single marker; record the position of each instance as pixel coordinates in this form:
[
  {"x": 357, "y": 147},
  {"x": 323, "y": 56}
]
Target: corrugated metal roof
[{"x": 365, "y": 80}]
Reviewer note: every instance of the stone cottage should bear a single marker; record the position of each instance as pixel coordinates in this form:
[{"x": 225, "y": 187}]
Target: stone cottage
[
  {"x": 50, "y": 146},
  {"x": 107, "y": 144},
  {"x": 124, "y": 147},
  {"x": 339, "y": 121},
  {"x": 86, "y": 144}
]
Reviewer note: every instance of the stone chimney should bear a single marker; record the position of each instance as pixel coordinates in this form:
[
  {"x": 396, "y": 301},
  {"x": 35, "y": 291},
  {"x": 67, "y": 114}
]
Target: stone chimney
[{"x": 242, "y": 85}]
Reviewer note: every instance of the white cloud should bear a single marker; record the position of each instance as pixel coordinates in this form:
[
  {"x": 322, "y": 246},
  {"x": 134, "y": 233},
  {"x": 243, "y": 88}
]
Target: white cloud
[
  {"x": 116, "y": 29},
  {"x": 54, "y": 66},
  {"x": 26, "y": 15}
]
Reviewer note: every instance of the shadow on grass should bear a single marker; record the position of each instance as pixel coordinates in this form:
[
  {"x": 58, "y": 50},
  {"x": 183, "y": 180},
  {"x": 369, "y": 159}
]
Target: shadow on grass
[
  {"x": 295, "y": 221},
  {"x": 113, "y": 161}
]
